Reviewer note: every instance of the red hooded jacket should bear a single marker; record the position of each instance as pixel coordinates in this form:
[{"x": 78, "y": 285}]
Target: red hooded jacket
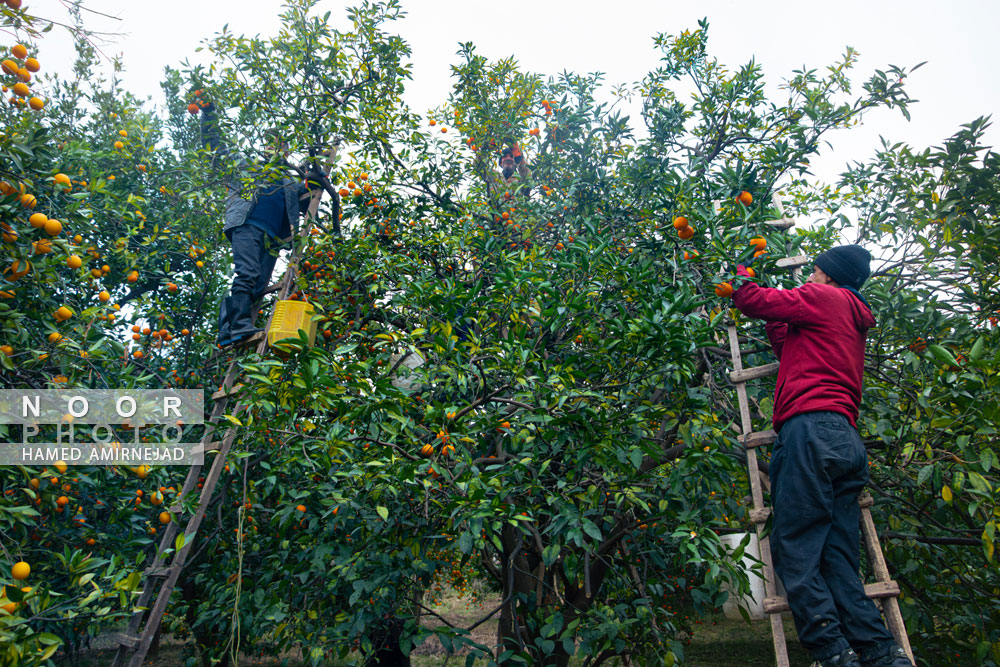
[{"x": 818, "y": 332}]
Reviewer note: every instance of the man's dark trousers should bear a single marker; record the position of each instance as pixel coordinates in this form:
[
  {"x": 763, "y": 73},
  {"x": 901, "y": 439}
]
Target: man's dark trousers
[
  {"x": 254, "y": 262},
  {"x": 818, "y": 469}
]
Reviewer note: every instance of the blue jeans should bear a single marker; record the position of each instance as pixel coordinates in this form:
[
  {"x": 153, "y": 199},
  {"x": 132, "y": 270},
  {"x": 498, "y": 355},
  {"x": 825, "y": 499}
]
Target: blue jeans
[{"x": 818, "y": 469}]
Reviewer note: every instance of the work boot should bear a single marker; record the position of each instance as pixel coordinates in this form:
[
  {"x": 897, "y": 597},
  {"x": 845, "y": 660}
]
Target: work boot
[
  {"x": 896, "y": 657},
  {"x": 241, "y": 325},
  {"x": 225, "y": 336},
  {"x": 846, "y": 658}
]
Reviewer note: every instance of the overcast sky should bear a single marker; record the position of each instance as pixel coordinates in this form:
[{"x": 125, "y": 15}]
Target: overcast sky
[{"x": 957, "y": 40}]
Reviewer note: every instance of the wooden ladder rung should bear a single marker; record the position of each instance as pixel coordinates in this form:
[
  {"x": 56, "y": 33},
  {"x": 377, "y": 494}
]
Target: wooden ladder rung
[
  {"x": 753, "y": 373},
  {"x": 758, "y": 438},
  {"x": 875, "y": 591},
  {"x": 158, "y": 572},
  {"x": 781, "y": 223},
  {"x": 129, "y": 641},
  {"x": 760, "y": 515},
  {"x": 792, "y": 262}
]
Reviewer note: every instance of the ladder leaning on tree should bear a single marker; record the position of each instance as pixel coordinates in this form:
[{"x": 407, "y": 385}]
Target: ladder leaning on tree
[
  {"x": 159, "y": 580},
  {"x": 883, "y": 588}
]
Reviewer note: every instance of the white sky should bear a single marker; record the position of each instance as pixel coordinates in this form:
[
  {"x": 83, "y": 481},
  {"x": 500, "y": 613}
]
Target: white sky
[{"x": 957, "y": 85}]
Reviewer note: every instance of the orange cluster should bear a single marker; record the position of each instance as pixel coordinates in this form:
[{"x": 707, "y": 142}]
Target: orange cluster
[{"x": 22, "y": 68}]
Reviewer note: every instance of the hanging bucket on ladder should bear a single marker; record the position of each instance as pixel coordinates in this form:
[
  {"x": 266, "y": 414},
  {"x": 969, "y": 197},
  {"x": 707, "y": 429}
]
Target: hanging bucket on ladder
[{"x": 291, "y": 317}]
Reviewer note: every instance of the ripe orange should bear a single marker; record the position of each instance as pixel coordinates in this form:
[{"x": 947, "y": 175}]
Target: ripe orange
[
  {"x": 74, "y": 262},
  {"x": 55, "y": 337},
  {"x": 21, "y": 89},
  {"x": 36, "y": 103},
  {"x": 20, "y": 571},
  {"x": 132, "y": 277},
  {"x": 753, "y": 274},
  {"x": 53, "y": 227},
  {"x": 427, "y": 450},
  {"x": 171, "y": 287},
  {"x": 119, "y": 145},
  {"x": 685, "y": 232},
  {"x": 344, "y": 192},
  {"x": 7, "y": 350},
  {"x": 680, "y": 222},
  {"x": 745, "y": 198},
  {"x": 63, "y": 313},
  {"x": 62, "y": 501},
  {"x": 357, "y": 192},
  {"x": 37, "y": 220},
  {"x": 28, "y": 200},
  {"x": 534, "y": 131},
  {"x": 193, "y": 109},
  {"x": 301, "y": 508},
  {"x": 185, "y": 332},
  {"x": 19, "y": 51},
  {"x": 759, "y": 253},
  {"x": 9, "y": 66},
  {"x": 42, "y": 246},
  {"x": 124, "y": 133},
  {"x": 724, "y": 290},
  {"x": 63, "y": 180},
  {"x": 104, "y": 297},
  {"x": 164, "y": 518},
  {"x": 759, "y": 241},
  {"x": 24, "y": 75},
  {"x": 17, "y": 270},
  {"x": 13, "y": 4},
  {"x": 32, "y": 65}
]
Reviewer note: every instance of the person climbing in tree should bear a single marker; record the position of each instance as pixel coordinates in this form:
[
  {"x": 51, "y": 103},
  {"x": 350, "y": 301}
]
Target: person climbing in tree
[
  {"x": 263, "y": 206},
  {"x": 819, "y": 465},
  {"x": 512, "y": 178}
]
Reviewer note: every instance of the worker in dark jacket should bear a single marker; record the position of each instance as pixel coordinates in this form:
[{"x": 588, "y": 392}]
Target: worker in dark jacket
[
  {"x": 819, "y": 465},
  {"x": 259, "y": 220}
]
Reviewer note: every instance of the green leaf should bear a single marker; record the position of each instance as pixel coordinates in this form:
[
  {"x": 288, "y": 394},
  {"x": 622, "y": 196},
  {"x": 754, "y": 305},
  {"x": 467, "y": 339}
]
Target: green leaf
[
  {"x": 977, "y": 349},
  {"x": 943, "y": 356},
  {"x": 382, "y": 512}
]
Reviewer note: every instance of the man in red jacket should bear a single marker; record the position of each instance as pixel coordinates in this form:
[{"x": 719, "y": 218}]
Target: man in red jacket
[{"x": 819, "y": 465}]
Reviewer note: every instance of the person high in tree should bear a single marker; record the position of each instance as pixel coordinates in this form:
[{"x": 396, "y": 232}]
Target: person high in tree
[{"x": 260, "y": 220}]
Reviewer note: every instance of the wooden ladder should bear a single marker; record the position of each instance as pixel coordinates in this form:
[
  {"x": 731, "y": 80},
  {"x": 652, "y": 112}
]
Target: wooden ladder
[
  {"x": 884, "y": 588},
  {"x": 160, "y": 579}
]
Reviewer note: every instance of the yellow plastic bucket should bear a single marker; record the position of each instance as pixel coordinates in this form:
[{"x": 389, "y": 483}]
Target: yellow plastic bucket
[{"x": 290, "y": 317}]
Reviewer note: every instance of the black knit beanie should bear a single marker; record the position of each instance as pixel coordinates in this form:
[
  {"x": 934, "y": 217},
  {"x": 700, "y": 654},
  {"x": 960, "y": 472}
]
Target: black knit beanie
[{"x": 848, "y": 265}]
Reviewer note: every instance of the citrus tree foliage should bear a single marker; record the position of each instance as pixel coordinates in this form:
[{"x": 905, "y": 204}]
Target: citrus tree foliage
[
  {"x": 932, "y": 403},
  {"x": 566, "y": 431}
]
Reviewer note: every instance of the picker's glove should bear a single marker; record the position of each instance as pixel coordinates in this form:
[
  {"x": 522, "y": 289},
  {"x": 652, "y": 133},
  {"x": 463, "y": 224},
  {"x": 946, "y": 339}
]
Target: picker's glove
[
  {"x": 516, "y": 151},
  {"x": 315, "y": 179}
]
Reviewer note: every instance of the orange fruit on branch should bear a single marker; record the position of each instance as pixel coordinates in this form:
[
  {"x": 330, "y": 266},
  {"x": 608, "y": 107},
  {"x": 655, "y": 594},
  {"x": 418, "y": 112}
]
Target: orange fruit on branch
[
  {"x": 685, "y": 232},
  {"x": 745, "y": 198},
  {"x": 20, "y": 571},
  {"x": 680, "y": 222},
  {"x": 723, "y": 290},
  {"x": 759, "y": 242},
  {"x": 19, "y": 51}
]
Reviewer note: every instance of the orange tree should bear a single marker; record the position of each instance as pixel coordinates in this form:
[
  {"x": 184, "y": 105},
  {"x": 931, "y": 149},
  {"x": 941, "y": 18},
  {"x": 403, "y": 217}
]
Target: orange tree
[
  {"x": 932, "y": 404},
  {"x": 567, "y": 433}
]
